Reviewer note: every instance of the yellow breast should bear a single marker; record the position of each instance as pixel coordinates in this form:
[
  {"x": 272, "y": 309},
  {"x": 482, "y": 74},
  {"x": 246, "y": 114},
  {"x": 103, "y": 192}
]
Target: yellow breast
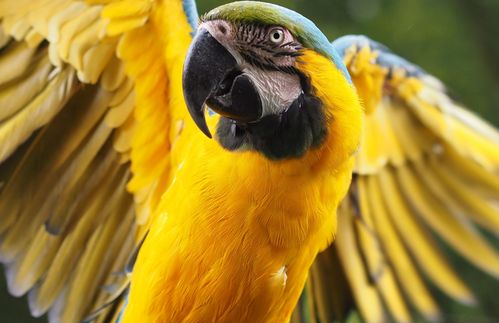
[{"x": 234, "y": 235}]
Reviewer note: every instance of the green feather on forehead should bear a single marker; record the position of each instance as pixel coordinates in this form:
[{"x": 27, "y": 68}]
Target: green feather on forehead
[{"x": 270, "y": 14}]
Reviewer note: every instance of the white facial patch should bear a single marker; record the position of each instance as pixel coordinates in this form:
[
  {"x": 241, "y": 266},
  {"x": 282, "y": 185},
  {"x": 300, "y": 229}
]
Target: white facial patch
[{"x": 277, "y": 89}]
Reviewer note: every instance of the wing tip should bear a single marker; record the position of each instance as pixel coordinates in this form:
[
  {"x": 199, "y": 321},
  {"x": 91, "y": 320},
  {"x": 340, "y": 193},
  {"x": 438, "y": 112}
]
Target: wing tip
[
  {"x": 469, "y": 300},
  {"x": 34, "y": 307},
  {"x": 434, "y": 317}
]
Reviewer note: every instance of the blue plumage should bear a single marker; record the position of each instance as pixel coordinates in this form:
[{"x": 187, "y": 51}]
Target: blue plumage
[
  {"x": 386, "y": 57},
  {"x": 191, "y": 11}
]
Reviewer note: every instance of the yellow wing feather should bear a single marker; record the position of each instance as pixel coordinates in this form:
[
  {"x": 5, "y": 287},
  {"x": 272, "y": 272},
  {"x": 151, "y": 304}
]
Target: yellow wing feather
[
  {"x": 426, "y": 167},
  {"x": 93, "y": 75}
]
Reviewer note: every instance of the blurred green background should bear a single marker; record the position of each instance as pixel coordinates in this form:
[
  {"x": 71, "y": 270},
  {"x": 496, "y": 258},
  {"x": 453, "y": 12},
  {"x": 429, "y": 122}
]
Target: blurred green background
[{"x": 455, "y": 40}]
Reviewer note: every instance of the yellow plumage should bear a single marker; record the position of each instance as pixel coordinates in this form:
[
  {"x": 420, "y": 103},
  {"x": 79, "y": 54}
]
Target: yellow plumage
[
  {"x": 414, "y": 177},
  {"x": 117, "y": 156},
  {"x": 235, "y": 238}
]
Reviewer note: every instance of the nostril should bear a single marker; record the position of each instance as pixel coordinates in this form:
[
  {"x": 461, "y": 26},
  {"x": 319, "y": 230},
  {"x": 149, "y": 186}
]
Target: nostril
[{"x": 222, "y": 29}]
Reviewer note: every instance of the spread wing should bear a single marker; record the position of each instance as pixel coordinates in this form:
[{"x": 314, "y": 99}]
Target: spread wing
[
  {"x": 90, "y": 111},
  {"x": 427, "y": 170}
]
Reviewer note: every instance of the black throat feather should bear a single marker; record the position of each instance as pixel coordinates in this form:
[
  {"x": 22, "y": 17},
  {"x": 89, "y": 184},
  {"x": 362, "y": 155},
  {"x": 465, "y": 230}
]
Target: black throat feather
[{"x": 291, "y": 134}]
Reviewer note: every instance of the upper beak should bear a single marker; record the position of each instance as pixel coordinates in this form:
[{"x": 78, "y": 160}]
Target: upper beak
[{"x": 211, "y": 76}]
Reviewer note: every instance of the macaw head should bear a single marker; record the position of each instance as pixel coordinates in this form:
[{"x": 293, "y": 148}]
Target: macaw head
[{"x": 273, "y": 77}]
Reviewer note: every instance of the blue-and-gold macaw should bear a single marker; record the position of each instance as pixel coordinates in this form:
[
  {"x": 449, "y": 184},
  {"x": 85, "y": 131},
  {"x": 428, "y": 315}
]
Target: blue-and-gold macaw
[{"x": 108, "y": 167}]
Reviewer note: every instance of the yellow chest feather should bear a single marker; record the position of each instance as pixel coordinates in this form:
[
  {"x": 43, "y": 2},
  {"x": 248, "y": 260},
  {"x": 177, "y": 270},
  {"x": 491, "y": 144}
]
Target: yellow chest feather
[{"x": 233, "y": 240}]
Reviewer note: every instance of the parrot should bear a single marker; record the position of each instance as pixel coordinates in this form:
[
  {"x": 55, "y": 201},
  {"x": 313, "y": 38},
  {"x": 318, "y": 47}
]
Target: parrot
[{"x": 161, "y": 166}]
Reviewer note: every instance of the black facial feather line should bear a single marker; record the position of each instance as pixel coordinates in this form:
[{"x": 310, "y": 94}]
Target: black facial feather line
[
  {"x": 251, "y": 37},
  {"x": 301, "y": 127}
]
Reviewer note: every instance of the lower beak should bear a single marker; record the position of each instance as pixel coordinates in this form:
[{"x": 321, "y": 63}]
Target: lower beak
[{"x": 211, "y": 76}]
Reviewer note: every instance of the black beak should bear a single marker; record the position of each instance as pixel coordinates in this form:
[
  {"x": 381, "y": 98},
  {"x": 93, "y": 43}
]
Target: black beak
[{"x": 211, "y": 76}]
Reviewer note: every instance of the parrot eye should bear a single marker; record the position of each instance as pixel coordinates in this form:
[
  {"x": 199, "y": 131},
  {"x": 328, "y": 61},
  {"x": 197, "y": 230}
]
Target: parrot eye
[{"x": 276, "y": 36}]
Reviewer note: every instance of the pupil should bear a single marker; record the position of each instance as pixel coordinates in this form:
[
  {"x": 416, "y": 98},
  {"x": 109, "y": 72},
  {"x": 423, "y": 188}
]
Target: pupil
[{"x": 276, "y": 35}]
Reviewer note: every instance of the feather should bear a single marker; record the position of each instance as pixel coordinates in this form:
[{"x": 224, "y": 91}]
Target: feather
[
  {"x": 126, "y": 15},
  {"x": 4, "y": 38},
  {"x": 425, "y": 167},
  {"x": 119, "y": 113},
  {"x": 39, "y": 111},
  {"x": 31, "y": 266},
  {"x": 68, "y": 255},
  {"x": 34, "y": 39},
  {"x": 478, "y": 209},
  {"x": 403, "y": 267},
  {"x": 472, "y": 172},
  {"x": 82, "y": 42},
  {"x": 95, "y": 60},
  {"x": 365, "y": 294},
  {"x": 420, "y": 243},
  {"x": 94, "y": 263},
  {"x": 458, "y": 232},
  {"x": 40, "y": 13},
  {"x": 73, "y": 27},
  {"x": 16, "y": 54},
  {"x": 123, "y": 137},
  {"x": 114, "y": 75},
  {"x": 468, "y": 141},
  {"x": 30, "y": 85},
  {"x": 332, "y": 295}
]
